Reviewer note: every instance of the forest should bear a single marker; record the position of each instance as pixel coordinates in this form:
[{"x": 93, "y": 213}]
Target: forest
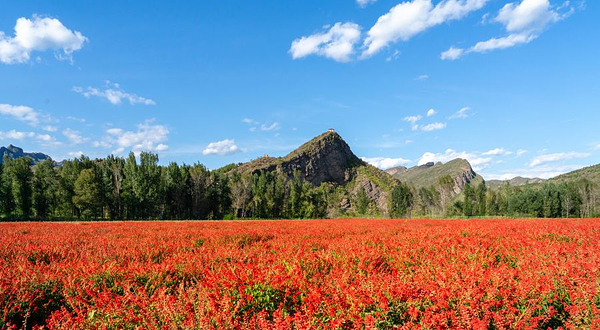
[{"x": 138, "y": 188}]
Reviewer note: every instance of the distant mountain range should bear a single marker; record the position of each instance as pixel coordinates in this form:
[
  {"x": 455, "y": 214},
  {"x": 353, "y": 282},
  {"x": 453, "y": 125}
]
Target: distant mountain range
[
  {"x": 427, "y": 175},
  {"x": 15, "y": 152},
  {"x": 518, "y": 181}
]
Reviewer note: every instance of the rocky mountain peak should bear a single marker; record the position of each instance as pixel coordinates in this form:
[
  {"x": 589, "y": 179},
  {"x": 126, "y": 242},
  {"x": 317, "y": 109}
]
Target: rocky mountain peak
[
  {"x": 325, "y": 158},
  {"x": 14, "y": 152}
]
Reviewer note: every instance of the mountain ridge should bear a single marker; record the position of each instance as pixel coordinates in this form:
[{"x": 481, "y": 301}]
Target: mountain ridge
[
  {"x": 427, "y": 175},
  {"x": 14, "y": 152}
]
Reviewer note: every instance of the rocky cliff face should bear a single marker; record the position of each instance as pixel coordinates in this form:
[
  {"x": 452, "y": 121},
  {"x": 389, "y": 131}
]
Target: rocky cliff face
[
  {"x": 15, "y": 152},
  {"x": 328, "y": 159},
  {"x": 466, "y": 174}
]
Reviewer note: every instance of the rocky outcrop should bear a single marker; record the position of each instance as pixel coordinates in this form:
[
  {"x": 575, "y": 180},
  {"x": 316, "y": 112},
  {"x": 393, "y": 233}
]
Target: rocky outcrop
[
  {"x": 326, "y": 158},
  {"x": 375, "y": 193},
  {"x": 465, "y": 175},
  {"x": 396, "y": 170},
  {"x": 15, "y": 152}
]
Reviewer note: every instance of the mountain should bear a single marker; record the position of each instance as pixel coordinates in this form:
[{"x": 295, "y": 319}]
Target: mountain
[
  {"x": 591, "y": 173},
  {"x": 515, "y": 182},
  {"x": 328, "y": 159},
  {"x": 427, "y": 175},
  {"x": 15, "y": 152}
]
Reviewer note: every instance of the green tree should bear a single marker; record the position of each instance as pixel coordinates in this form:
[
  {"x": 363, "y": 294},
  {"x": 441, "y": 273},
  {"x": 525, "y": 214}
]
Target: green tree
[
  {"x": 362, "y": 201},
  {"x": 217, "y": 195},
  {"x": 45, "y": 186},
  {"x": 6, "y": 197},
  {"x": 146, "y": 185},
  {"x": 111, "y": 171},
  {"x": 198, "y": 184},
  {"x": 88, "y": 193},
  {"x": 295, "y": 196},
  {"x": 552, "y": 203},
  {"x": 176, "y": 193},
  {"x": 401, "y": 201},
  {"x": 481, "y": 198},
  {"x": 241, "y": 194},
  {"x": 493, "y": 206},
  {"x": 131, "y": 202},
  {"x": 20, "y": 179},
  {"x": 469, "y": 195}
]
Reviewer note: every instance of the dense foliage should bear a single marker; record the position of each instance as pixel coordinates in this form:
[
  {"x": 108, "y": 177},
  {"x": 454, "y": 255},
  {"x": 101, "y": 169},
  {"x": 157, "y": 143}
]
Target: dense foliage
[
  {"x": 328, "y": 274},
  {"x": 139, "y": 188}
]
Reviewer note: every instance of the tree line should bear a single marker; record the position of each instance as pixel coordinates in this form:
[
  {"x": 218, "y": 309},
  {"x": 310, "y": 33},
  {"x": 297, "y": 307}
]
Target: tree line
[
  {"x": 138, "y": 188},
  {"x": 550, "y": 200}
]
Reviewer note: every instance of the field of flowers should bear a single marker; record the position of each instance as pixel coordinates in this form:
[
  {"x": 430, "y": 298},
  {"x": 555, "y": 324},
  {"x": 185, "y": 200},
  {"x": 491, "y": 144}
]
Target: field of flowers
[{"x": 329, "y": 274}]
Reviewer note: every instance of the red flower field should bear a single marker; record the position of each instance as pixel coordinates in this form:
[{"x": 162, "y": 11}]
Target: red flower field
[{"x": 329, "y": 274}]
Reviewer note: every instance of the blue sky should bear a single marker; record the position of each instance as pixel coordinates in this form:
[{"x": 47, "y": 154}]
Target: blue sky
[{"x": 512, "y": 85}]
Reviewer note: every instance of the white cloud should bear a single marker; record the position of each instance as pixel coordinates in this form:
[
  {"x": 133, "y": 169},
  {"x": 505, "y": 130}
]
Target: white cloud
[
  {"x": 551, "y": 158},
  {"x": 521, "y": 152},
  {"x": 413, "y": 121},
  {"x": 497, "y": 152},
  {"x": 272, "y": 127},
  {"x": 477, "y": 161},
  {"x": 39, "y": 34},
  {"x": 407, "y": 19},
  {"x": 161, "y": 147},
  {"x": 394, "y": 56},
  {"x": 597, "y": 147},
  {"x": 249, "y": 121},
  {"x": 147, "y": 137},
  {"x": 75, "y": 154},
  {"x": 461, "y": 114},
  {"x": 17, "y": 135},
  {"x": 221, "y": 148},
  {"x": 74, "y": 136},
  {"x": 433, "y": 127},
  {"x": 113, "y": 94},
  {"x": 523, "y": 21},
  {"x": 542, "y": 172},
  {"x": 263, "y": 127},
  {"x": 427, "y": 128},
  {"x": 364, "y": 3},
  {"x": 385, "y": 163},
  {"x": 452, "y": 54},
  {"x": 422, "y": 77},
  {"x": 50, "y": 128},
  {"x": 102, "y": 144},
  {"x": 337, "y": 43},
  {"x": 81, "y": 120},
  {"x": 21, "y": 113}
]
